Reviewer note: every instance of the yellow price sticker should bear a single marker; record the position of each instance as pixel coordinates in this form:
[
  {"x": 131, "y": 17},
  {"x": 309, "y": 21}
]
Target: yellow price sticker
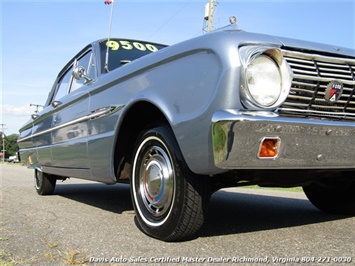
[{"x": 127, "y": 45}]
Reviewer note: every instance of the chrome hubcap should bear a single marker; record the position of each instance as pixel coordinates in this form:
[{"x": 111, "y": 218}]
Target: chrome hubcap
[{"x": 156, "y": 182}]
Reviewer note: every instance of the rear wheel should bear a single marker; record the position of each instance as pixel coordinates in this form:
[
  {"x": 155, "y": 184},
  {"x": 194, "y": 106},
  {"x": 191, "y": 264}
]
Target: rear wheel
[
  {"x": 169, "y": 200},
  {"x": 44, "y": 183},
  {"x": 338, "y": 198}
]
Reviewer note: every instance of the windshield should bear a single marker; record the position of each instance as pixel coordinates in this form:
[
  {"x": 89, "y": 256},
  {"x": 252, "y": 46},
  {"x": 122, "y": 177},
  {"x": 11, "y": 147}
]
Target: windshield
[{"x": 124, "y": 51}]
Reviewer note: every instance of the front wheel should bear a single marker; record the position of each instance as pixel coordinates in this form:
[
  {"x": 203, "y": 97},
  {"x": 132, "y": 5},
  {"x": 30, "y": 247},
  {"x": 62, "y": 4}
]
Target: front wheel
[
  {"x": 338, "y": 198},
  {"x": 169, "y": 200},
  {"x": 44, "y": 183}
]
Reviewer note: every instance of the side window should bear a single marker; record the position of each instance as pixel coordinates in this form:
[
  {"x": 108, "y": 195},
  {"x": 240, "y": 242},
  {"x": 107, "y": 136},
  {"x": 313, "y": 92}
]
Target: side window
[
  {"x": 67, "y": 83},
  {"x": 87, "y": 61},
  {"x": 63, "y": 85}
]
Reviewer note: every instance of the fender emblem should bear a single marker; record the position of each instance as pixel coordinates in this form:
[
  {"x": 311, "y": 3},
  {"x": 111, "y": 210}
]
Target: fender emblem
[{"x": 334, "y": 91}]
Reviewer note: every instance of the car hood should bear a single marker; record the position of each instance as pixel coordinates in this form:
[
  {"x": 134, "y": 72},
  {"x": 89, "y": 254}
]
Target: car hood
[
  {"x": 293, "y": 44},
  {"x": 300, "y": 45}
]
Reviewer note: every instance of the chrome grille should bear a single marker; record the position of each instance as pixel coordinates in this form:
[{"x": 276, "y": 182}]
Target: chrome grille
[{"x": 312, "y": 74}]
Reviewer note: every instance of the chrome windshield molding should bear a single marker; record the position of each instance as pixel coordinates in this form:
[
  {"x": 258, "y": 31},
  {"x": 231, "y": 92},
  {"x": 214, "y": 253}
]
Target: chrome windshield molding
[{"x": 96, "y": 114}]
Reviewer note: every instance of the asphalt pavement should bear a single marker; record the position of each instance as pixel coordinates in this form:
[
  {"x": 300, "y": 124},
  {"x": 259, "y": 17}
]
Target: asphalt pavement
[{"x": 88, "y": 223}]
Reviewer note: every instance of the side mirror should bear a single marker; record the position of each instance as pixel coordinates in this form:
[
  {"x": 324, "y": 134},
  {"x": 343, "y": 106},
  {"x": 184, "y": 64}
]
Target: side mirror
[{"x": 79, "y": 73}]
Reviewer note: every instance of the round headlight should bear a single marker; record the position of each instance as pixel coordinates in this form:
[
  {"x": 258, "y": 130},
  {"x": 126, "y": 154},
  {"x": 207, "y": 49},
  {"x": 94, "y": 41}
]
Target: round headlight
[{"x": 264, "y": 81}]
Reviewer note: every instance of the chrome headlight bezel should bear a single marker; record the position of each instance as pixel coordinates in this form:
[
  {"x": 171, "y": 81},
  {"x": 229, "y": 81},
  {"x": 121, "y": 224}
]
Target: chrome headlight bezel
[{"x": 273, "y": 97}]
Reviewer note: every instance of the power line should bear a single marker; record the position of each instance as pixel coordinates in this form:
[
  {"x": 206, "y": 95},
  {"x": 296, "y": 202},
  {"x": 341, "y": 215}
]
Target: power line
[{"x": 166, "y": 22}]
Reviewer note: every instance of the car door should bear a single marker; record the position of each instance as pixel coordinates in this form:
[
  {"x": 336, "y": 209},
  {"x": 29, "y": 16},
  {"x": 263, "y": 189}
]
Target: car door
[
  {"x": 70, "y": 120},
  {"x": 43, "y": 122}
]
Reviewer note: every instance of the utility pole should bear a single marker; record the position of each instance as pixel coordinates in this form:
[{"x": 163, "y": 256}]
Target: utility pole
[
  {"x": 3, "y": 142},
  {"x": 208, "y": 18},
  {"x": 210, "y": 15}
]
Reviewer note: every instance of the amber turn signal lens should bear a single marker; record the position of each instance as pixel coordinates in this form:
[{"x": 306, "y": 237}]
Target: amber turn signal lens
[{"x": 269, "y": 148}]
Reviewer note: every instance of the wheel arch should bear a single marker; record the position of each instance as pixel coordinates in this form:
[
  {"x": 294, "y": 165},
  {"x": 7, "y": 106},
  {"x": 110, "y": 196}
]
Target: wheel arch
[{"x": 138, "y": 117}]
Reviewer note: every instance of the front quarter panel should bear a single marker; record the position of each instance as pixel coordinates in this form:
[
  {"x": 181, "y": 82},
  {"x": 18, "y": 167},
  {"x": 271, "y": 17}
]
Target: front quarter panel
[
  {"x": 180, "y": 87},
  {"x": 188, "y": 82}
]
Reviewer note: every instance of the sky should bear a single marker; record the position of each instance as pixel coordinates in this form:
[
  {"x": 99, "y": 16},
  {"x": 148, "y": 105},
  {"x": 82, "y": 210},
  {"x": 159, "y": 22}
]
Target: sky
[{"x": 39, "y": 37}]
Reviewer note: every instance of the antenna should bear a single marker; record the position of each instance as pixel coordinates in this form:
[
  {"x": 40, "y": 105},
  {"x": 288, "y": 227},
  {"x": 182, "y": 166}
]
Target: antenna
[{"x": 108, "y": 2}]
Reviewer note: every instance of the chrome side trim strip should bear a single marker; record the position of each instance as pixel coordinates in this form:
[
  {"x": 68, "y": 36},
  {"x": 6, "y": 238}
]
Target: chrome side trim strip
[{"x": 96, "y": 114}]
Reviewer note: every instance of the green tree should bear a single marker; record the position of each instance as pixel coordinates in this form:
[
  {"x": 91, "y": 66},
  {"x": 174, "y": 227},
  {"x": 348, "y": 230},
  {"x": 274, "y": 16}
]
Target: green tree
[{"x": 11, "y": 146}]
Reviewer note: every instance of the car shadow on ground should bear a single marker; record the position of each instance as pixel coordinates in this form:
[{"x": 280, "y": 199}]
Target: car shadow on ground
[
  {"x": 114, "y": 198},
  {"x": 233, "y": 213},
  {"x": 228, "y": 212}
]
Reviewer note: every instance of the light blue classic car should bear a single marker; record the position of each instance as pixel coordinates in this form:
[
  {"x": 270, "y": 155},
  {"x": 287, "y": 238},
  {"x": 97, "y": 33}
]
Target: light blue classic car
[{"x": 229, "y": 108}]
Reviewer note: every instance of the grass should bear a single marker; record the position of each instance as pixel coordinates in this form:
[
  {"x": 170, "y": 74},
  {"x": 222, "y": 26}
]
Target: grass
[
  {"x": 6, "y": 259},
  {"x": 70, "y": 256},
  {"x": 74, "y": 257},
  {"x": 291, "y": 189},
  {"x": 52, "y": 245},
  {"x": 3, "y": 238},
  {"x": 51, "y": 256}
]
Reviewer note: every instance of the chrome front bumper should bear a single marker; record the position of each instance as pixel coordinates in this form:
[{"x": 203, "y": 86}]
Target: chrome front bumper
[{"x": 304, "y": 143}]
